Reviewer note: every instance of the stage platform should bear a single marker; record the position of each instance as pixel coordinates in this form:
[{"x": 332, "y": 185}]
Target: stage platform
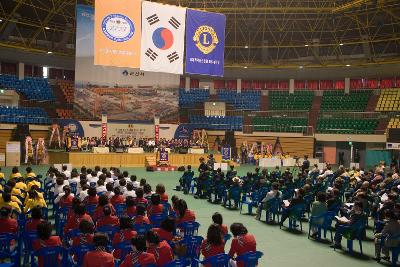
[{"x": 107, "y": 160}]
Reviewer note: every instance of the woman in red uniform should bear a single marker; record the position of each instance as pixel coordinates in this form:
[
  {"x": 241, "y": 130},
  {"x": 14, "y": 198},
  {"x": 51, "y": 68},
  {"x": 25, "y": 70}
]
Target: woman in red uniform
[
  {"x": 214, "y": 243},
  {"x": 184, "y": 214},
  {"x": 75, "y": 219},
  {"x": 125, "y": 233},
  {"x": 7, "y": 224},
  {"x": 155, "y": 207},
  {"x": 36, "y": 218},
  {"x": 141, "y": 217},
  {"x": 99, "y": 257},
  {"x": 140, "y": 200},
  {"x": 166, "y": 230},
  {"x": 130, "y": 206},
  {"x": 98, "y": 212},
  {"x": 92, "y": 198},
  {"x": 160, "y": 249},
  {"x": 108, "y": 218},
  {"x": 86, "y": 234},
  {"x": 118, "y": 198},
  {"x": 242, "y": 242},
  {"x": 45, "y": 239},
  {"x": 138, "y": 256},
  {"x": 160, "y": 189},
  {"x": 217, "y": 218}
]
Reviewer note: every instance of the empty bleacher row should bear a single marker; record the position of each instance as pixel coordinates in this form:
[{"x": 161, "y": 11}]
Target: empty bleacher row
[
  {"x": 281, "y": 124},
  {"x": 282, "y": 100},
  {"x": 33, "y": 88},
  {"x": 338, "y": 100},
  {"x": 189, "y": 99},
  {"x": 389, "y": 100},
  {"x": 23, "y": 115},
  {"x": 67, "y": 88},
  {"x": 394, "y": 123},
  {"x": 64, "y": 113},
  {"x": 228, "y": 123},
  {"x": 346, "y": 126},
  {"x": 246, "y": 100}
]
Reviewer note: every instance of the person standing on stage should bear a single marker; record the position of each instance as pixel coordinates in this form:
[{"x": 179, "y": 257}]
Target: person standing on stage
[{"x": 306, "y": 164}]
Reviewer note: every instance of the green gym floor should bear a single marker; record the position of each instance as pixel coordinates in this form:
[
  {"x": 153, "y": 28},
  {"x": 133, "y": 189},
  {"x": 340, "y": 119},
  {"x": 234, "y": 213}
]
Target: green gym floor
[{"x": 280, "y": 247}]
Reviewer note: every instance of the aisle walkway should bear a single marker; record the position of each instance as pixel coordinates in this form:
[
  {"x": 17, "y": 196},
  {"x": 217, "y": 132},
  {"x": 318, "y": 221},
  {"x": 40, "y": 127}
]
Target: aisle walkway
[{"x": 280, "y": 247}]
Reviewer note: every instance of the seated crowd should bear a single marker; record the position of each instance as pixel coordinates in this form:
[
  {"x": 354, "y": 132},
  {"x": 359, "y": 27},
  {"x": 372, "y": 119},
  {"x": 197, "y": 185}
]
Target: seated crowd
[
  {"x": 347, "y": 197},
  {"x": 105, "y": 217}
]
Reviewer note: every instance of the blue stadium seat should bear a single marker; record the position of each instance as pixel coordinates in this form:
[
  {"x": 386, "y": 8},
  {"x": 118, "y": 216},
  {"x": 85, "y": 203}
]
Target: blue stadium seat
[{"x": 23, "y": 115}]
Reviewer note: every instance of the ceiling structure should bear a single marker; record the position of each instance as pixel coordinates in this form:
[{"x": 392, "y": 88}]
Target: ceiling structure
[{"x": 260, "y": 34}]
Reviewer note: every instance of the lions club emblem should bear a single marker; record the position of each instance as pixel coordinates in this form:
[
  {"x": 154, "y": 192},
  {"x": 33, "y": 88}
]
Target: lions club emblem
[{"x": 206, "y": 39}]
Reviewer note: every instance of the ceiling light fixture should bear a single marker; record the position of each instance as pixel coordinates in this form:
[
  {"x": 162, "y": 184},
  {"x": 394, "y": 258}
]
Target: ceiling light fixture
[
  {"x": 341, "y": 44},
  {"x": 49, "y": 52},
  {"x": 300, "y": 67},
  {"x": 245, "y": 67},
  {"x": 47, "y": 28},
  {"x": 246, "y": 46},
  {"x": 306, "y": 45},
  {"x": 348, "y": 65}
]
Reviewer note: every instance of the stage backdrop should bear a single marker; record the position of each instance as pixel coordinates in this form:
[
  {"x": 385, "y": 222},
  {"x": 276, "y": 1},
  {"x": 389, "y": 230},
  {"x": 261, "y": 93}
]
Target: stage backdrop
[{"x": 122, "y": 93}]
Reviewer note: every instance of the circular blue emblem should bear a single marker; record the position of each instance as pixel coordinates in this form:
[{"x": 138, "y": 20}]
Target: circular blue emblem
[{"x": 118, "y": 27}]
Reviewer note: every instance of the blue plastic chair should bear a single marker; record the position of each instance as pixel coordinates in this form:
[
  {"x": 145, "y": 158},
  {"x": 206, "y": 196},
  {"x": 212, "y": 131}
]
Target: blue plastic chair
[
  {"x": 90, "y": 209},
  {"x": 326, "y": 224},
  {"x": 356, "y": 231},
  {"x": 6, "y": 251},
  {"x": 156, "y": 219},
  {"x": 125, "y": 248},
  {"x": 219, "y": 260},
  {"x": 395, "y": 250},
  {"x": 80, "y": 252},
  {"x": 28, "y": 238},
  {"x": 178, "y": 263},
  {"x": 50, "y": 256},
  {"x": 272, "y": 210},
  {"x": 250, "y": 259},
  {"x": 227, "y": 237},
  {"x": 108, "y": 230},
  {"x": 192, "y": 244},
  {"x": 233, "y": 194},
  {"x": 120, "y": 210},
  {"x": 295, "y": 215},
  {"x": 251, "y": 202},
  {"x": 142, "y": 228},
  {"x": 189, "y": 228}
]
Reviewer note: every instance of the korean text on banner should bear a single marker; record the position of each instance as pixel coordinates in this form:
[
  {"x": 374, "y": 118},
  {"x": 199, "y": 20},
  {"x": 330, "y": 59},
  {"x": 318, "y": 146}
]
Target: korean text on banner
[
  {"x": 205, "y": 43},
  {"x": 163, "y": 38},
  {"x": 117, "y": 33}
]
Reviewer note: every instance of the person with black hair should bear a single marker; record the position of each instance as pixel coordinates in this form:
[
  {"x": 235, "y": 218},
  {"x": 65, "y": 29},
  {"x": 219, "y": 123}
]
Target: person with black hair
[
  {"x": 34, "y": 221},
  {"x": 161, "y": 250},
  {"x": 217, "y": 219},
  {"x": 130, "y": 206},
  {"x": 274, "y": 193},
  {"x": 125, "y": 233},
  {"x": 34, "y": 200},
  {"x": 108, "y": 218},
  {"x": 29, "y": 173},
  {"x": 118, "y": 198},
  {"x": 65, "y": 171},
  {"x": 7, "y": 200},
  {"x": 99, "y": 257},
  {"x": 20, "y": 184},
  {"x": 318, "y": 209},
  {"x": 155, "y": 206},
  {"x": 45, "y": 239},
  {"x": 15, "y": 173},
  {"x": 14, "y": 190},
  {"x": 134, "y": 181},
  {"x": 242, "y": 242},
  {"x": 98, "y": 212},
  {"x": 92, "y": 198},
  {"x": 65, "y": 199},
  {"x": 390, "y": 231},
  {"x": 130, "y": 191},
  {"x": 79, "y": 214},
  {"x": 139, "y": 197},
  {"x": 167, "y": 229},
  {"x": 297, "y": 200},
  {"x": 184, "y": 214},
  {"x": 7, "y": 224},
  {"x": 214, "y": 243},
  {"x": 86, "y": 235},
  {"x": 101, "y": 188},
  {"x": 147, "y": 190},
  {"x": 139, "y": 256},
  {"x": 306, "y": 164},
  {"x": 160, "y": 189},
  {"x": 142, "y": 182},
  {"x": 141, "y": 217}
]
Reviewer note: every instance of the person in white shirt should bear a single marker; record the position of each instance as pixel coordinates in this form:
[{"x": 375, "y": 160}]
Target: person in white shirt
[
  {"x": 58, "y": 187},
  {"x": 91, "y": 178},
  {"x": 110, "y": 190},
  {"x": 134, "y": 181},
  {"x": 84, "y": 193},
  {"x": 100, "y": 186},
  {"x": 270, "y": 195},
  {"x": 122, "y": 185},
  {"x": 327, "y": 172},
  {"x": 74, "y": 179},
  {"x": 97, "y": 171},
  {"x": 58, "y": 198},
  {"x": 130, "y": 191},
  {"x": 83, "y": 182},
  {"x": 66, "y": 171}
]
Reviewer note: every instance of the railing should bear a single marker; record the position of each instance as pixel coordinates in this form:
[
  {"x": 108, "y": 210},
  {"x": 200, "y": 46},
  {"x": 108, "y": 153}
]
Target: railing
[
  {"x": 280, "y": 114},
  {"x": 349, "y": 131},
  {"x": 350, "y": 115}
]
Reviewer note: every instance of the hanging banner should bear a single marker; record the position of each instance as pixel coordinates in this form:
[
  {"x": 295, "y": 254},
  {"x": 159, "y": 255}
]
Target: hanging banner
[
  {"x": 104, "y": 126},
  {"x": 163, "y": 38},
  {"x": 205, "y": 43},
  {"x": 117, "y": 33},
  {"x": 226, "y": 153}
]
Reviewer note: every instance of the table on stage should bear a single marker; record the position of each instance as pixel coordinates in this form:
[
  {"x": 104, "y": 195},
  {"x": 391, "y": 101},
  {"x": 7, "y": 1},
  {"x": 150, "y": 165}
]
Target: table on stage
[
  {"x": 269, "y": 162},
  {"x": 100, "y": 150},
  {"x": 135, "y": 150},
  {"x": 196, "y": 150},
  {"x": 287, "y": 162}
]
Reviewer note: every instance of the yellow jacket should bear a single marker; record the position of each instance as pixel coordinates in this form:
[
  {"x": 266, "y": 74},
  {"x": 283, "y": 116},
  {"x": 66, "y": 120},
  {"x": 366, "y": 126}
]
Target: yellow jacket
[
  {"x": 34, "y": 202},
  {"x": 11, "y": 204},
  {"x": 1, "y": 175},
  {"x": 31, "y": 174},
  {"x": 31, "y": 183},
  {"x": 21, "y": 185},
  {"x": 15, "y": 175},
  {"x": 16, "y": 192},
  {"x": 13, "y": 198}
]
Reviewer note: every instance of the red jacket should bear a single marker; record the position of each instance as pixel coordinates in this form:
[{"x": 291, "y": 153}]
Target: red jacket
[
  {"x": 208, "y": 250},
  {"x": 74, "y": 221},
  {"x": 242, "y": 244},
  {"x": 121, "y": 236},
  {"x": 155, "y": 209},
  {"x": 53, "y": 241},
  {"x": 164, "y": 197},
  {"x": 117, "y": 199},
  {"x": 188, "y": 217},
  {"x": 131, "y": 211},
  {"x": 31, "y": 225},
  {"x": 136, "y": 258},
  {"x": 98, "y": 212},
  {"x": 8, "y": 225},
  {"x": 108, "y": 220},
  {"x": 141, "y": 220},
  {"x": 98, "y": 259},
  {"x": 66, "y": 201},
  {"x": 82, "y": 239},
  {"x": 92, "y": 200},
  {"x": 162, "y": 253},
  {"x": 163, "y": 235}
]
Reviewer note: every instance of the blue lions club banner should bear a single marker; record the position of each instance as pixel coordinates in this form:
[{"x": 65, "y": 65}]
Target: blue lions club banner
[
  {"x": 226, "y": 153},
  {"x": 205, "y": 43},
  {"x": 163, "y": 156}
]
